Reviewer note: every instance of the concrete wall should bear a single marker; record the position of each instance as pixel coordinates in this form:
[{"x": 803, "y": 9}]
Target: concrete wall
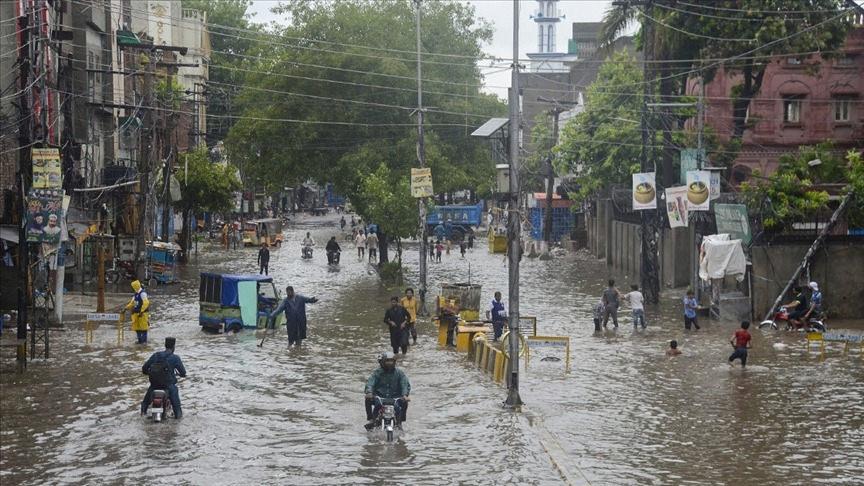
[{"x": 837, "y": 269}]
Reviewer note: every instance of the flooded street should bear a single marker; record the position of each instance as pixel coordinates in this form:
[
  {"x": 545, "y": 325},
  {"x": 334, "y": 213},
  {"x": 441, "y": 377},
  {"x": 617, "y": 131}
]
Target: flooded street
[{"x": 625, "y": 414}]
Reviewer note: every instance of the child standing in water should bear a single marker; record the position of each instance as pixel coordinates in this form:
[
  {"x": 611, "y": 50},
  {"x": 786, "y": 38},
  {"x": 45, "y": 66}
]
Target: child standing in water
[{"x": 741, "y": 343}]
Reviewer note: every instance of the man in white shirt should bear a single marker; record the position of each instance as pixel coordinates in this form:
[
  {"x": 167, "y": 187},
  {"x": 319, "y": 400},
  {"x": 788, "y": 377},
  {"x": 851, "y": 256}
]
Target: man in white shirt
[
  {"x": 635, "y": 298},
  {"x": 360, "y": 242}
]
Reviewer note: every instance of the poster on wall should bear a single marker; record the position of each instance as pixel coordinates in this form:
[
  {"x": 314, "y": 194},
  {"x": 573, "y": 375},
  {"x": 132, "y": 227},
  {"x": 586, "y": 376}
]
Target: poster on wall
[
  {"x": 698, "y": 190},
  {"x": 644, "y": 192},
  {"x": 733, "y": 219},
  {"x": 715, "y": 184},
  {"x": 421, "y": 182},
  {"x": 44, "y": 216},
  {"x": 46, "y": 168},
  {"x": 676, "y": 206}
]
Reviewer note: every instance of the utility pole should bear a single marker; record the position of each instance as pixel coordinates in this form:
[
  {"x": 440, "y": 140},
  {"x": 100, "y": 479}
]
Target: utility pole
[
  {"x": 650, "y": 278},
  {"x": 555, "y": 112},
  {"x": 26, "y": 59},
  {"x": 421, "y": 160},
  {"x": 514, "y": 248},
  {"x": 144, "y": 157}
]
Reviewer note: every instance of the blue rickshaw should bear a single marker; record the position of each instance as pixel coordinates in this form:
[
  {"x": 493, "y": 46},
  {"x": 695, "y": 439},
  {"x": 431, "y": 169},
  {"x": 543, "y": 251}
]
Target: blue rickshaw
[{"x": 230, "y": 303}]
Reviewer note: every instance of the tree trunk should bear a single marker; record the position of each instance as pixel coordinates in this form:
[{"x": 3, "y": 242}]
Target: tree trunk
[
  {"x": 752, "y": 85},
  {"x": 382, "y": 249},
  {"x": 667, "y": 85}
]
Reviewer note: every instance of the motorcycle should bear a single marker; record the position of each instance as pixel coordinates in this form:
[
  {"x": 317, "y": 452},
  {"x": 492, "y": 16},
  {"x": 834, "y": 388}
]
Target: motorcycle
[
  {"x": 306, "y": 252},
  {"x": 120, "y": 269},
  {"x": 333, "y": 257},
  {"x": 387, "y": 418},
  {"x": 160, "y": 405},
  {"x": 814, "y": 324}
]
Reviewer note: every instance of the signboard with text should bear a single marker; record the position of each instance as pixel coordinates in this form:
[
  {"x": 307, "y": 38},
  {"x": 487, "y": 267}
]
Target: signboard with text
[
  {"x": 44, "y": 216},
  {"x": 421, "y": 182},
  {"x": 47, "y": 172},
  {"x": 732, "y": 219}
]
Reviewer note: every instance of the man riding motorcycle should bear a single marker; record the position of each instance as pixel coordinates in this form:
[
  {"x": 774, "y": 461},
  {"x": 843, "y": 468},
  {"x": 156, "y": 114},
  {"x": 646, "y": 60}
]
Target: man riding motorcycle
[
  {"x": 333, "y": 249},
  {"x": 387, "y": 382},
  {"x": 161, "y": 368},
  {"x": 799, "y": 307},
  {"x": 308, "y": 244}
]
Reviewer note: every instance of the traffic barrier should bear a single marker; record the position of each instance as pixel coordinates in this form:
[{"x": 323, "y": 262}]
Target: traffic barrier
[
  {"x": 92, "y": 322},
  {"x": 835, "y": 336}
]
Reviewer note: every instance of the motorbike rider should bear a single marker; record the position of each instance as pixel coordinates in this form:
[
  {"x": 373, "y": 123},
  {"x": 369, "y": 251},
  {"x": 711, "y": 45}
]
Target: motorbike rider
[
  {"x": 161, "y": 368},
  {"x": 387, "y": 382},
  {"x": 799, "y": 307},
  {"x": 332, "y": 249},
  {"x": 308, "y": 243},
  {"x": 815, "y": 308}
]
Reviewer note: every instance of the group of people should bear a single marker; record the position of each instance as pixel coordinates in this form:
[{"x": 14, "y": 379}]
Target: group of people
[
  {"x": 364, "y": 241},
  {"x": 611, "y": 301}
]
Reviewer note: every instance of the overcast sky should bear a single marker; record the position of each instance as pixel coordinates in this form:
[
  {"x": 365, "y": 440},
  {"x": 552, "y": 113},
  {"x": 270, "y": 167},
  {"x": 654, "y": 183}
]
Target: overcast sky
[{"x": 500, "y": 14}]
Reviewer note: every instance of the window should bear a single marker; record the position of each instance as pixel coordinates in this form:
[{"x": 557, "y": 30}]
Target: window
[
  {"x": 792, "y": 110},
  {"x": 842, "y": 108}
]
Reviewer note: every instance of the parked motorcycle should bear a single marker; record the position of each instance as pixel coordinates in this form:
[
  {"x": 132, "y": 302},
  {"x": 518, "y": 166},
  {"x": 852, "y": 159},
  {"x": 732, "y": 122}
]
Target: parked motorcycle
[
  {"x": 120, "y": 269},
  {"x": 160, "y": 405},
  {"x": 387, "y": 418},
  {"x": 306, "y": 252},
  {"x": 814, "y": 323},
  {"x": 333, "y": 257}
]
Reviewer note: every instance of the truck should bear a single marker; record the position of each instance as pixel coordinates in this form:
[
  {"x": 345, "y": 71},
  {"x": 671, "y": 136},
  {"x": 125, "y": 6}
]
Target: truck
[{"x": 454, "y": 222}]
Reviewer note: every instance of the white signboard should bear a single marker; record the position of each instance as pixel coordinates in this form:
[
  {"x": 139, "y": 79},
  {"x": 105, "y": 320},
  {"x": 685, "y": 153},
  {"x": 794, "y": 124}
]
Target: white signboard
[
  {"x": 842, "y": 336},
  {"x": 103, "y": 317},
  {"x": 698, "y": 190},
  {"x": 644, "y": 191},
  {"x": 421, "y": 182},
  {"x": 676, "y": 206}
]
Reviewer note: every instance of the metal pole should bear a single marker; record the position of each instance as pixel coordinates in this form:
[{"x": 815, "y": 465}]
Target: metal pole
[
  {"x": 550, "y": 181},
  {"x": 421, "y": 160},
  {"x": 100, "y": 282},
  {"x": 514, "y": 249}
]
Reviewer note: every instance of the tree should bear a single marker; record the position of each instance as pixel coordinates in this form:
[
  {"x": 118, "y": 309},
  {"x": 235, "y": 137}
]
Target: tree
[
  {"x": 797, "y": 191},
  {"x": 346, "y": 93},
  {"x": 601, "y": 144},
  {"x": 206, "y": 187}
]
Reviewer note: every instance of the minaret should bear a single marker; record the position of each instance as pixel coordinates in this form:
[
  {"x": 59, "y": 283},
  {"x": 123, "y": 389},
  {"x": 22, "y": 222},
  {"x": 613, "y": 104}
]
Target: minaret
[{"x": 547, "y": 18}]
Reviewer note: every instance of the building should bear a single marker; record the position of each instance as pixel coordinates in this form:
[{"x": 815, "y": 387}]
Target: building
[{"x": 802, "y": 101}]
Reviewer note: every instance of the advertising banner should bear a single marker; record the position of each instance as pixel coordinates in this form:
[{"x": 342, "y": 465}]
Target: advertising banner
[
  {"x": 44, "y": 216},
  {"x": 676, "y": 206},
  {"x": 46, "y": 168},
  {"x": 715, "y": 184},
  {"x": 421, "y": 182},
  {"x": 644, "y": 191},
  {"x": 698, "y": 190}
]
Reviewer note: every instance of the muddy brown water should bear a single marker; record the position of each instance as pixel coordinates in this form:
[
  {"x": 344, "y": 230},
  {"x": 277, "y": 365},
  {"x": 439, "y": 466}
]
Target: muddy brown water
[{"x": 625, "y": 414}]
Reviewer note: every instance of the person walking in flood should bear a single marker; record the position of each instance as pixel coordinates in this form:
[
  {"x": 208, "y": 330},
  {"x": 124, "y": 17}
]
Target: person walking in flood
[
  {"x": 690, "y": 306},
  {"x": 396, "y": 318},
  {"x": 412, "y": 305},
  {"x": 740, "y": 343},
  {"x": 498, "y": 313},
  {"x": 611, "y": 301},
  {"x": 598, "y": 315},
  {"x": 360, "y": 243},
  {"x": 438, "y": 249},
  {"x": 264, "y": 260},
  {"x": 635, "y": 298},
  {"x": 294, "y": 307},
  {"x": 139, "y": 307},
  {"x": 673, "y": 349},
  {"x": 372, "y": 246}
]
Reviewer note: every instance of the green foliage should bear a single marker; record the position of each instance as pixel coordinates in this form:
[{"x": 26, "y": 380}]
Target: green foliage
[
  {"x": 601, "y": 145},
  {"x": 391, "y": 273},
  {"x": 796, "y": 192},
  {"x": 533, "y": 172},
  {"x": 209, "y": 186},
  {"x": 384, "y": 197},
  {"x": 277, "y": 154},
  {"x": 169, "y": 93}
]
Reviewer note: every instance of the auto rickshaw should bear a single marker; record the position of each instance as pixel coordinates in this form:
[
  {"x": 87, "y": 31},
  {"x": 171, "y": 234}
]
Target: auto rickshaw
[
  {"x": 259, "y": 231},
  {"x": 230, "y": 303}
]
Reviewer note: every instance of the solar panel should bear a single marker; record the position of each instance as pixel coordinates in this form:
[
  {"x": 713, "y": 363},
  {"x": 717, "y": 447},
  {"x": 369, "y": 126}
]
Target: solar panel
[{"x": 490, "y": 127}]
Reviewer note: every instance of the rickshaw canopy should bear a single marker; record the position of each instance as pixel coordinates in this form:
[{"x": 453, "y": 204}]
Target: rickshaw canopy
[{"x": 222, "y": 288}]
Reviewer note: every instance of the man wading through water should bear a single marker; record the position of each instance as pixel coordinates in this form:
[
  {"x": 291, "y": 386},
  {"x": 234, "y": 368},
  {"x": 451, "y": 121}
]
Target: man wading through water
[
  {"x": 396, "y": 319},
  {"x": 294, "y": 306}
]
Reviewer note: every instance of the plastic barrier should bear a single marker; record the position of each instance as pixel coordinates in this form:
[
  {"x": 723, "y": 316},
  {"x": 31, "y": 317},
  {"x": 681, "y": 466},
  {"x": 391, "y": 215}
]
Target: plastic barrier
[{"x": 92, "y": 322}]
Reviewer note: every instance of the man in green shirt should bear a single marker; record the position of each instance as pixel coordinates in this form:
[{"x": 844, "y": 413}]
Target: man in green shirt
[{"x": 387, "y": 382}]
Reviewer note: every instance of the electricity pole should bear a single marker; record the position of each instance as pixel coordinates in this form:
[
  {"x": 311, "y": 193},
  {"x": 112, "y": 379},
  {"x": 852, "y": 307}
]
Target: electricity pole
[
  {"x": 144, "y": 155},
  {"x": 555, "y": 112},
  {"x": 514, "y": 248},
  {"x": 650, "y": 278},
  {"x": 421, "y": 160}
]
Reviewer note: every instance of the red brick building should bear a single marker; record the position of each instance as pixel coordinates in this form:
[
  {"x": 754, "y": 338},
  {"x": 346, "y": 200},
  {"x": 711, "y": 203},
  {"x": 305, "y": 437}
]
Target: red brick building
[{"x": 803, "y": 101}]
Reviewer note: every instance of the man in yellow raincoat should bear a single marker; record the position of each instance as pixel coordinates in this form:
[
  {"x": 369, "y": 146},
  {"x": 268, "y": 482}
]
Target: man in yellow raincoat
[{"x": 139, "y": 306}]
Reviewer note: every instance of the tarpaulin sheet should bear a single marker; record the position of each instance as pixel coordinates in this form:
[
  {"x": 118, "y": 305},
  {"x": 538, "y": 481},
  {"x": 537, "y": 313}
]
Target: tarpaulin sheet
[{"x": 720, "y": 257}]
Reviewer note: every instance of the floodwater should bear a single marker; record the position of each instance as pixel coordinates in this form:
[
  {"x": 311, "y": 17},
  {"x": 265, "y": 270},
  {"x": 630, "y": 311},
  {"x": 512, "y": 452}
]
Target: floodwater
[{"x": 624, "y": 414}]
